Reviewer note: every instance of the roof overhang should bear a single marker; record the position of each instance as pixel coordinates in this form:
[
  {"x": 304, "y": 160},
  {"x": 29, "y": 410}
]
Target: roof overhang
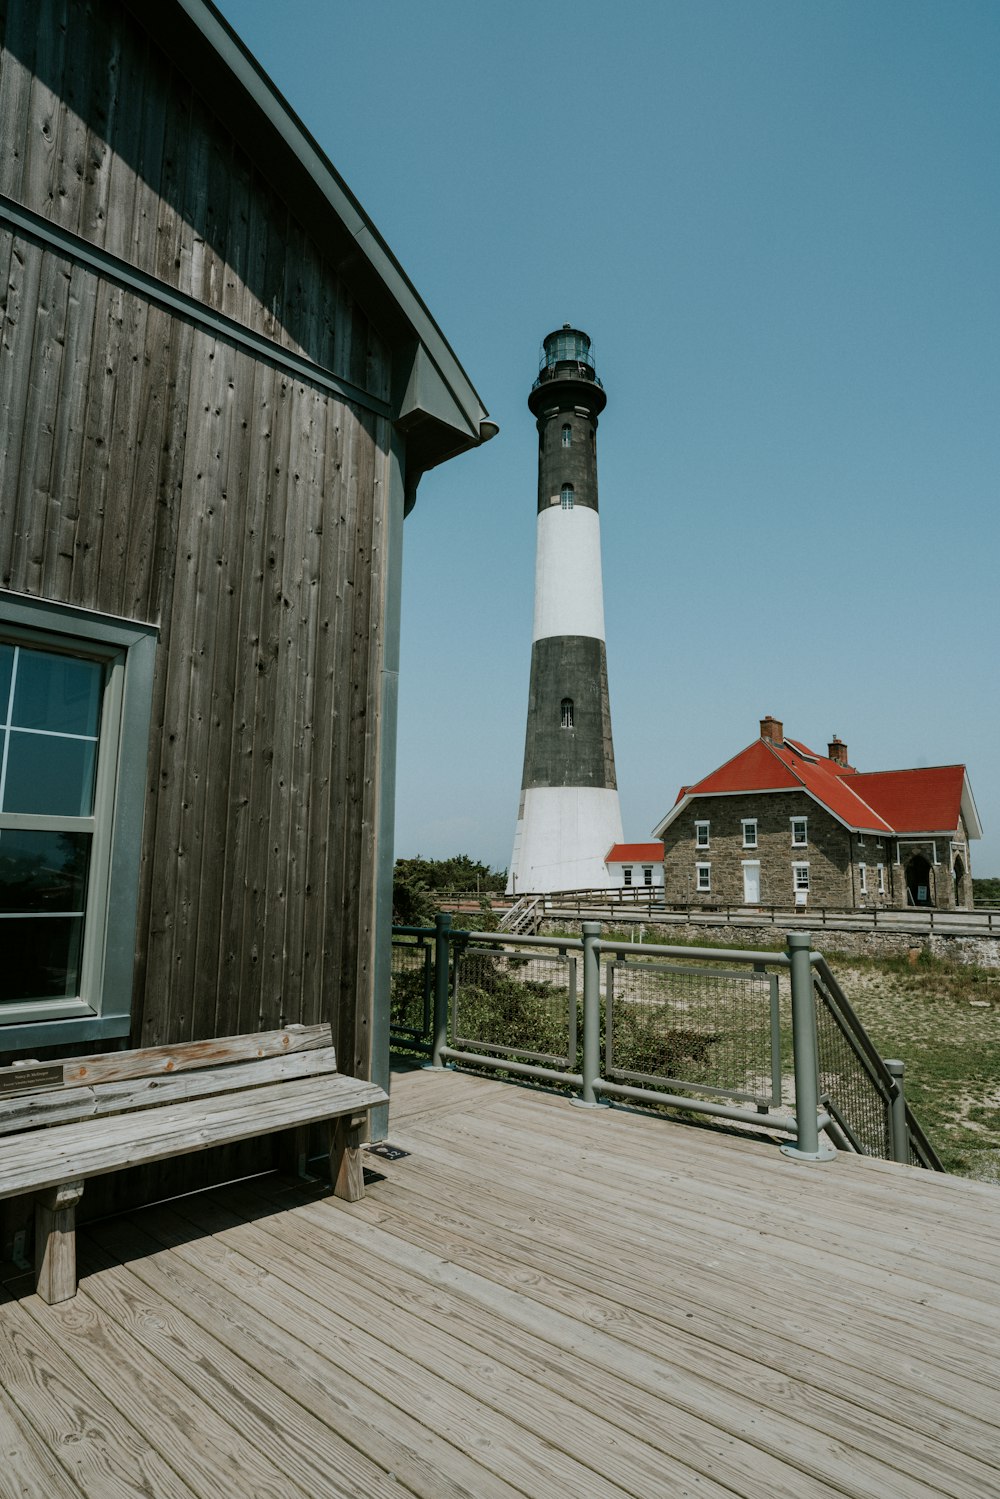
[{"x": 438, "y": 409}]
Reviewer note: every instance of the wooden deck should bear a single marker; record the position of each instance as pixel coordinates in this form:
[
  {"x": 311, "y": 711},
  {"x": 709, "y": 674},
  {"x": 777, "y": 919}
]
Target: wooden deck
[{"x": 538, "y": 1301}]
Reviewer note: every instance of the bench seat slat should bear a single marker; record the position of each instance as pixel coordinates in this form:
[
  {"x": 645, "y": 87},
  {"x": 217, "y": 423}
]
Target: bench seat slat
[
  {"x": 63, "y": 1105},
  {"x": 112, "y": 1066},
  {"x": 66, "y": 1152}
]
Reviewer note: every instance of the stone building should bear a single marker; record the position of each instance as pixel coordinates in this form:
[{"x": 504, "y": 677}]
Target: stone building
[{"x": 780, "y": 825}]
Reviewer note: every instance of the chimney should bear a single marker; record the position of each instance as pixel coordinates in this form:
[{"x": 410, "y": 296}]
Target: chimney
[
  {"x": 837, "y": 751},
  {"x": 772, "y": 729}
]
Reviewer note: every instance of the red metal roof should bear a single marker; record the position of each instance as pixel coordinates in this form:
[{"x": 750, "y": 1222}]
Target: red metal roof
[
  {"x": 888, "y": 801},
  {"x": 635, "y": 853},
  {"x": 915, "y": 801}
]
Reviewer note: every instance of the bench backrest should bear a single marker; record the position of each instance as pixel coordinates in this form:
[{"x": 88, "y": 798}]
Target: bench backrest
[{"x": 34, "y": 1094}]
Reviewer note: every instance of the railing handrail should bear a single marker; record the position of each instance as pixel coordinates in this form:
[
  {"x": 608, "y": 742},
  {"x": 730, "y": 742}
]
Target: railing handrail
[{"x": 812, "y": 983}]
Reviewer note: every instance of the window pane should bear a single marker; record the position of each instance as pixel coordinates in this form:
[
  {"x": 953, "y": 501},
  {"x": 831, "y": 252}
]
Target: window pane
[
  {"x": 6, "y": 662},
  {"x": 43, "y": 871},
  {"x": 58, "y": 693},
  {"x": 41, "y": 957},
  {"x": 49, "y": 775}
]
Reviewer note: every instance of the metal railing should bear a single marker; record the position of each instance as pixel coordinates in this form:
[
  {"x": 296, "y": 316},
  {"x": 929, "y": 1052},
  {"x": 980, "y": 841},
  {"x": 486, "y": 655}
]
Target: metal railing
[{"x": 737, "y": 1035}]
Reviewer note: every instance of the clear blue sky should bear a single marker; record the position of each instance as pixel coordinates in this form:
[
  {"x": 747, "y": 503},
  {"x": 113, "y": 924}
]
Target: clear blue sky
[{"x": 780, "y": 223}]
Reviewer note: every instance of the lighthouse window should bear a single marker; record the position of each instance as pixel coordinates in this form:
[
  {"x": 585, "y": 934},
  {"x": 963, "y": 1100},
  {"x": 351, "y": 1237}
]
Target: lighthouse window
[
  {"x": 567, "y": 436},
  {"x": 566, "y": 496},
  {"x": 567, "y": 713}
]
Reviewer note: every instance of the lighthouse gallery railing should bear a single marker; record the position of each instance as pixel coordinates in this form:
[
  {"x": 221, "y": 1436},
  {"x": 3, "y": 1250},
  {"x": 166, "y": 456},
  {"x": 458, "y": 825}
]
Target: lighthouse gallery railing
[{"x": 763, "y": 1039}]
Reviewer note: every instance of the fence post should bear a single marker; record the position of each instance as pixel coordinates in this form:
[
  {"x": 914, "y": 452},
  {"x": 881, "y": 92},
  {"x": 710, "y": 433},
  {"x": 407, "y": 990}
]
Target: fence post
[
  {"x": 899, "y": 1135},
  {"x": 591, "y": 1014},
  {"x": 442, "y": 934},
  {"x": 808, "y": 1146}
]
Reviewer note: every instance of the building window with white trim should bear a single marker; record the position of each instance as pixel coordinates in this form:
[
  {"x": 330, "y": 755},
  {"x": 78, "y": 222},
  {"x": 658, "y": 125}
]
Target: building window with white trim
[
  {"x": 75, "y": 692},
  {"x": 800, "y": 878},
  {"x": 566, "y": 496},
  {"x": 863, "y": 879},
  {"x": 647, "y": 874},
  {"x": 627, "y": 874},
  {"x": 880, "y": 872},
  {"x": 800, "y": 830},
  {"x": 566, "y": 713},
  {"x": 567, "y": 436},
  {"x": 704, "y": 880},
  {"x": 701, "y": 834},
  {"x": 749, "y": 832}
]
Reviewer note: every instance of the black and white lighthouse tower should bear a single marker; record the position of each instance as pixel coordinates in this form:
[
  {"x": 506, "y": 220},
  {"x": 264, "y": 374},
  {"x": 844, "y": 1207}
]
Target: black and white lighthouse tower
[{"x": 569, "y": 815}]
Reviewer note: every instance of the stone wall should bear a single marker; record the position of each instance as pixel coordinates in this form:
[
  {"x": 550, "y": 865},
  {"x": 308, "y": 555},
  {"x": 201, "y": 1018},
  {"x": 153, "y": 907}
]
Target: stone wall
[{"x": 827, "y": 851}]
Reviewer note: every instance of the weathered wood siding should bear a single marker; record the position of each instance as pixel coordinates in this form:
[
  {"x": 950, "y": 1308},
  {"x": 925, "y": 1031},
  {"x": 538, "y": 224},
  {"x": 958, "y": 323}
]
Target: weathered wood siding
[{"x": 154, "y": 470}]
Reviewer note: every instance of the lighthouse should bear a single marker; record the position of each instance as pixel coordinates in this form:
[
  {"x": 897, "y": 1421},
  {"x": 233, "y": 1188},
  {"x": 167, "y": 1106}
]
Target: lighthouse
[{"x": 569, "y": 815}]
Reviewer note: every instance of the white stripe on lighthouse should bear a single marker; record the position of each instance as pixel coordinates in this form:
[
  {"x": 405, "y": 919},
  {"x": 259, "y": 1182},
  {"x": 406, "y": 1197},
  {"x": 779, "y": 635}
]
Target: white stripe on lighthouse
[
  {"x": 562, "y": 838},
  {"x": 569, "y": 592}
]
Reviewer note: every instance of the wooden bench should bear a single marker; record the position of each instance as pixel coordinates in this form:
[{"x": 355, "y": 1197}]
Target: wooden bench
[{"x": 66, "y": 1121}]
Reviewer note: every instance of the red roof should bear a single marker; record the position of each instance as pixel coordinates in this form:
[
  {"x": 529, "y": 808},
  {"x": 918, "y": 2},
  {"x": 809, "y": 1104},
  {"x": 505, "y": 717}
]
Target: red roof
[
  {"x": 635, "y": 853},
  {"x": 888, "y": 801},
  {"x": 915, "y": 801}
]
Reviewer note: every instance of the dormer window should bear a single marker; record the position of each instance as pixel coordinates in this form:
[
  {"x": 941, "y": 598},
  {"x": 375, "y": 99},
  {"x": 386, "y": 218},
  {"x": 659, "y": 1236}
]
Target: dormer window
[
  {"x": 566, "y": 713},
  {"x": 566, "y": 496}
]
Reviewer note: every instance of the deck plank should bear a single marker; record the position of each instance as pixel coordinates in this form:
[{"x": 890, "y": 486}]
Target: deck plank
[{"x": 537, "y": 1302}]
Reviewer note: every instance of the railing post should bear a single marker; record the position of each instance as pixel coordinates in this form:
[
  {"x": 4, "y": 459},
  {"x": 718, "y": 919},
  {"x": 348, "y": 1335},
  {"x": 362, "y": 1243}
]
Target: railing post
[
  {"x": 808, "y": 1146},
  {"x": 442, "y": 935},
  {"x": 899, "y": 1135},
  {"x": 591, "y": 1014}
]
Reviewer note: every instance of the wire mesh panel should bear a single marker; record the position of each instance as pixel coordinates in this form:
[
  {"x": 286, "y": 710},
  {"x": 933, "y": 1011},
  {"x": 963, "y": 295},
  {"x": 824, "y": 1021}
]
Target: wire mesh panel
[
  {"x": 707, "y": 1030},
  {"x": 849, "y": 1086},
  {"x": 412, "y": 986},
  {"x": 516, "y": 1004}
]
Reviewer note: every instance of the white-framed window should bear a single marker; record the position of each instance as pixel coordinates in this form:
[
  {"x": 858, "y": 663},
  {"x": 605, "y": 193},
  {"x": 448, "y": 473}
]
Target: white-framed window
[
  {"x": 75, "y": 694},
  {"x": 800, "y": 877},
  {"x": 647, "y": 874},
  {"x": 749, "y": 832},
  {"x": 567, "y": 436},
  {"x": 704, "y": 876},
  {"x": 800, "y": 832},
  {"x": 880, "y": 873},
  {"x": 701, "y": 834},
  {"x": 566, "y": 713},
  {"x": 863, "y": 879},
  {"x": 566, "y": 496},
  {"x": 861, "y": 840},
  {"x": 627, "y": 874}
]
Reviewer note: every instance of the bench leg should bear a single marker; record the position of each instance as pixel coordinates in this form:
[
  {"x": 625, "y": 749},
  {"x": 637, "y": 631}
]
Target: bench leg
[
  {"x": 346, "y": 1171},
  {"x": 295, "y": 1151},
  {"x": 55, "y": 1241}
]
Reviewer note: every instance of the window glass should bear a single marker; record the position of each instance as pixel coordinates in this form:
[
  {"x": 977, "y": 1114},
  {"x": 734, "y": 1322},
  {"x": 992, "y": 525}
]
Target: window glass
[
  {"x": 701, "y": 834},
  {"x": 749, "y": 833},
  {"x": 647, "y": 874},
  {"x": 41, "y": 958},
  {"x": 567, "y": 436},
  {"x": 58, "y": 694},
  {"x": 49, "y": 775},
  {"x": 6, "y": 666},
  {"x": 801, "y": 876},
  {"x": 704, "y": 876},
  {"x": 627, "y": 874},
  {"x": 566, "y": 713},
  {"x": 799, "y": 825},
  {"x": 566, "y": 495},
  {"x": 42, "y": 873}
]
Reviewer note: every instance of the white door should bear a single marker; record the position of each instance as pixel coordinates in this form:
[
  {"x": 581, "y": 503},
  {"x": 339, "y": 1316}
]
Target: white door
[{"x": 751, "y": 884}]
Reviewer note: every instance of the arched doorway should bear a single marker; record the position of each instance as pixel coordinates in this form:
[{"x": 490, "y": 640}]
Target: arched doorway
[
  {"x": 918, "y": 881},
  {"x": 959, "y": 875}
]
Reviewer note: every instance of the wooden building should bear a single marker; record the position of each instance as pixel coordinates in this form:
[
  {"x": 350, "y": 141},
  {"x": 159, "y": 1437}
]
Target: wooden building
[{"x": 218, "y": 394}]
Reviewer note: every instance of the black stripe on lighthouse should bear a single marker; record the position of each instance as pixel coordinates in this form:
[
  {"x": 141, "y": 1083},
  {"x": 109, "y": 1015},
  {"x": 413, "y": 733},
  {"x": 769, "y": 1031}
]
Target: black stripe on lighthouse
[{"x": 568, "y": 738}]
